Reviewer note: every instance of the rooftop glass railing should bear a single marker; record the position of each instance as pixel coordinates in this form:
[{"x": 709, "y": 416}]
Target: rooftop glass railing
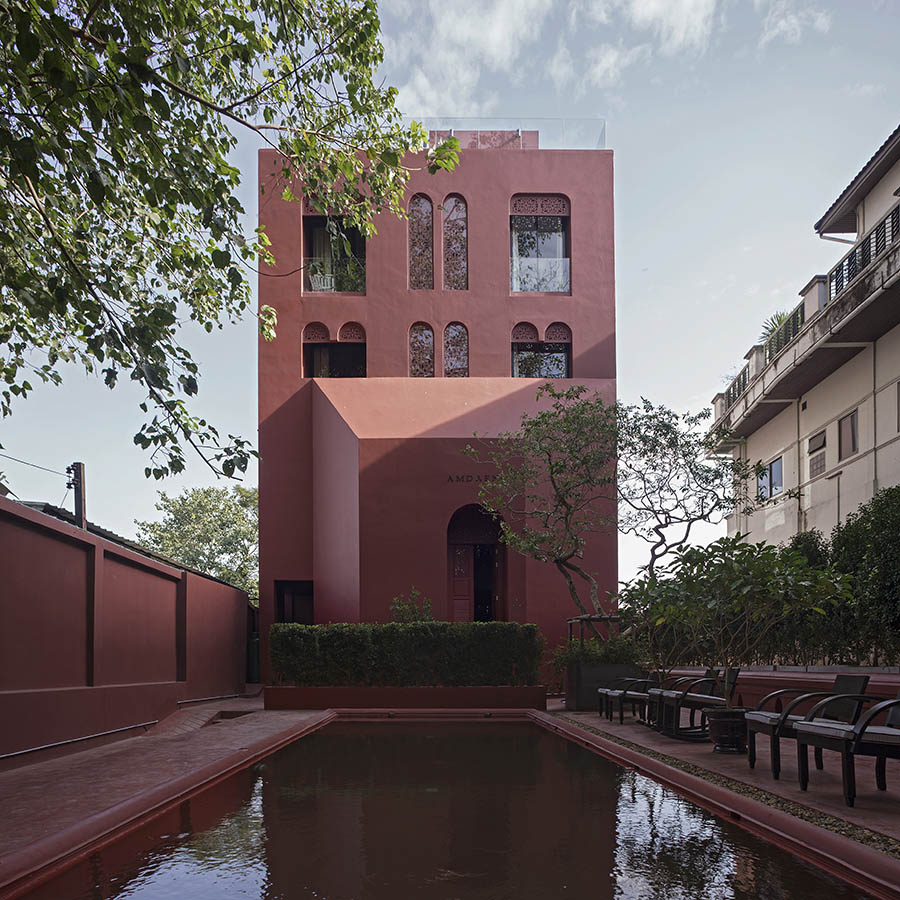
[{"x": 517, "y": 133}]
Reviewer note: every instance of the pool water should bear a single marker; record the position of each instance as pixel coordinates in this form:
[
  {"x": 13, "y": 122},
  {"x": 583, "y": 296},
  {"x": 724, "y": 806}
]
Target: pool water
[{"x": 443, "y": 812}]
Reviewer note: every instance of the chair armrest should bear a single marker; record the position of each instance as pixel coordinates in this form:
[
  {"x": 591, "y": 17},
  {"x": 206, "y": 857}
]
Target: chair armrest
[
  {"x": 696, "y": 681},
  {"x": 778, "y": 693},
  {"x": 824, "y": 704},
  {"x": 870, "y": 714},
  {"x": 795, "y": 703},
  {"x": 672, "y": 681}
]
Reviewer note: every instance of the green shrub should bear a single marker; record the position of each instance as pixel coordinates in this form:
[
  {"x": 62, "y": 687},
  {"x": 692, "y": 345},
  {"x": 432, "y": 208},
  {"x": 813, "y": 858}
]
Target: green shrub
[
  {"x": 617, "y": 650},
  {"x": 406, "y": 654},
  {"x": 414, "y": 608}
]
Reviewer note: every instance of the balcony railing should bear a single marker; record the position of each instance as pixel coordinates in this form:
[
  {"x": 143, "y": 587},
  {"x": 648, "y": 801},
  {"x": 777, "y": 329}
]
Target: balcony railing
[
  {"x": 866, "y": 252},
  {"x": 736, "y": 389},
  {"x": 785, "y": 333},
  {"x": 324, "y": 274},
  {"x": 549, "y": 276}
]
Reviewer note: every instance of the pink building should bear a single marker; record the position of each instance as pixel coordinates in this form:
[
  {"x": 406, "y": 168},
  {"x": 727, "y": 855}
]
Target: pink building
[{"x": 387, "y": 362}]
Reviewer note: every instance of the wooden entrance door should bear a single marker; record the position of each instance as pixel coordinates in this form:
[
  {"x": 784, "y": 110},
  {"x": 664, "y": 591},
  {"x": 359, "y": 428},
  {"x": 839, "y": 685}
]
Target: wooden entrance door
[{"x": 460, "y": 565}]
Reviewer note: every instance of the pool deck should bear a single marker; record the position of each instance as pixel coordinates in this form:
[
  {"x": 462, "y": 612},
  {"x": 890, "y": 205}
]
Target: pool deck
[{"x": 58, "y": 810}]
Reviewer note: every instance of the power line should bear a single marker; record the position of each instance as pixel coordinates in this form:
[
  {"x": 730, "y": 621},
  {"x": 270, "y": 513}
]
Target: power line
[{"x": 33, "y": 465}]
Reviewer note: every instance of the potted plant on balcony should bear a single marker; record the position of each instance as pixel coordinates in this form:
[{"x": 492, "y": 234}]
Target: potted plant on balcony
[
  {"x": 733, "y": 595},
  {"x": 596, "y": 663}
]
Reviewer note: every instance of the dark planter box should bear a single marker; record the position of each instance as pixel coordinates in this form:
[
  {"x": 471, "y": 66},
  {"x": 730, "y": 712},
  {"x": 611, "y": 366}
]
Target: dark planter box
[
  {"x": 350, "y": 697},
  {"x": 583, "y": 680}
]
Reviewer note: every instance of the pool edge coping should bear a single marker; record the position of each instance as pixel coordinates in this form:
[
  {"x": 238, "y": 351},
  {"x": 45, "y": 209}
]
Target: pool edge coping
[{"x": 879, "y": 876}]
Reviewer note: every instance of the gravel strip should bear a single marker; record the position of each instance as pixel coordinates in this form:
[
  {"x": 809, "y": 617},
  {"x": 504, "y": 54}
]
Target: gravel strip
[{"x": 874, "y": 839}]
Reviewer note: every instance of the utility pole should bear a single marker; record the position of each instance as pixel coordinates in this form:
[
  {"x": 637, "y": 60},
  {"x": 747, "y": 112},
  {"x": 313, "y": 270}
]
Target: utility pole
[{"x": 76, "y": 481}]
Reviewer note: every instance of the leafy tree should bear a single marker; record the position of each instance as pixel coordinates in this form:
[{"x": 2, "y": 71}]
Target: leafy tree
[
  {"x": 119, "y": 219},
  {"x": 672, "y": 476},
  {"x": 555, "y": 483},
  {"x": 214, "y": 530},
  {"x": 865, "y": 546},
  {"x": 732, "y": 595}
]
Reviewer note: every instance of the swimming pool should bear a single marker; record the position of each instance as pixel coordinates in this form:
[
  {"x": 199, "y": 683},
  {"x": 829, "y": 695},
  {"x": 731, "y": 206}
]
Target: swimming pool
[{"x": 469, "y": 811}]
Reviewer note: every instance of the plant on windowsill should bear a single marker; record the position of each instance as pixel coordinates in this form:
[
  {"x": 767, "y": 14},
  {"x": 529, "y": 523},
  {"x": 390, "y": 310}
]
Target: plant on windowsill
[{"x": 731, "y": 595}]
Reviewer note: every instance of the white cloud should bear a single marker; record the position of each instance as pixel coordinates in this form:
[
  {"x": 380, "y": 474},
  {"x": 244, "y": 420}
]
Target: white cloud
[
  {"x": 606, "y": 63},
  {"x": 452, "y": 44},
  {"x": 561, "y": 68},
  {"x": 679, "y": 25},
  {"x": 864, "y": 89},
  {"x": 787, "y": 20}
]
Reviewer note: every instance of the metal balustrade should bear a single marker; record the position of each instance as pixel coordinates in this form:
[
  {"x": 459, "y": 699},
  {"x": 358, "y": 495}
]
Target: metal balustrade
[
  {"x": 865, "y": 253},
  {"x": 736, "y": 389},
  {"x": 785, "y": 333},
  {"x": 325, "y": 274}
]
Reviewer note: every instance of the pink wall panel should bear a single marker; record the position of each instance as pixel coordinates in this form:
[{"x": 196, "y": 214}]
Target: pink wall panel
[
  {"x": 43, "y": 597},
  {"x": 136, "y": 633},
  {"x": 216, "y": 637}
]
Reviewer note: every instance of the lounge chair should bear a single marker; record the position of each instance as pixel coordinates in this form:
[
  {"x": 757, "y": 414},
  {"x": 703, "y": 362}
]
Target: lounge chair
[
  {"x": 659, "y": 697},
  {"x": 781, "y": 724},
  {"x": 686, "y": 696},
  {"x": 638, "y": 693},
  {"x": 850, "y": 739}
]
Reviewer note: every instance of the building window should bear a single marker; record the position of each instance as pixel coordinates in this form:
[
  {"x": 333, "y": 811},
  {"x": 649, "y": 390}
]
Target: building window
[
  {"x": 816, "y": 465},
  {"x": 770, "y": 481},
  {"x": 421, "y": 351},
  {"x": 330, "y": 264},
  {"x": 324, "y": 358},
  {"x": 848, "y": 435},
  {"x": 421, "y": 244},
  {"x": 539, "y": 244},
  {"x": 456, "y": 244},
  {"x": 541, "y": 359},
  {"x": 456, "y": 351},
  {"x": 816, "y": 442}
]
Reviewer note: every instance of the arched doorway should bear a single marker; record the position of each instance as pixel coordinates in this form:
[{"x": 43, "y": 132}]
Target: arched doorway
[{"x": 476, "y": 566}]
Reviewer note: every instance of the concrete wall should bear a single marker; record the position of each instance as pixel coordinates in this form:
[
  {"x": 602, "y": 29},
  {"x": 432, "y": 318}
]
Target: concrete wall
[
  {"x": 97, "y": 637},
  {"x": 869, "y": 383},
  {"x": 879, "y": 200}
]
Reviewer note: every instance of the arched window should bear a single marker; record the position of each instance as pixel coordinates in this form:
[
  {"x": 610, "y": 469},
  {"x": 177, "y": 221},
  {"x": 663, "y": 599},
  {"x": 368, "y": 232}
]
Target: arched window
[
  {"x": 456, "y": 351},
  {"x": 558, "y": 332},
  {"x": 325, "y": 358},
  {"x": 456, "y": 244},
  {"x": 352, "y": 332},
  {"x": 421, "y": 351},
  {"x": 533, "y": 358},
  {"x": 421, "y": 244}
]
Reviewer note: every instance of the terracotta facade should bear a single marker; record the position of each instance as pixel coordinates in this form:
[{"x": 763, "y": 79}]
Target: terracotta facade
[{"x": 360, "y": 477}]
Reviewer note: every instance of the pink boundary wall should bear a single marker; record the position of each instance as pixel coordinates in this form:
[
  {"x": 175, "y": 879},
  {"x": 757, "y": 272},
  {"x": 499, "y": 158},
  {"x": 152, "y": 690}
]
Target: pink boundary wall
[{"x": 97, "y": 637}]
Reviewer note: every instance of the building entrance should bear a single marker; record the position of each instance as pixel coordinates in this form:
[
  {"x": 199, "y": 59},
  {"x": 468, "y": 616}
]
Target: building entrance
[{"x": 476, "y": 567}]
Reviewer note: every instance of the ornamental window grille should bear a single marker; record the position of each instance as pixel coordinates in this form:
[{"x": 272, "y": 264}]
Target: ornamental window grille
[
  {"x": 525, "y": 331},
  {"x": 558, "y": 332},
  {"x": 352, "y": 332},
  {"x": 421, "y": 351},
  {"x": 456, "y": 244},
  {"x": 456, "y": 351},
  {"x": 421, "y": 243}
]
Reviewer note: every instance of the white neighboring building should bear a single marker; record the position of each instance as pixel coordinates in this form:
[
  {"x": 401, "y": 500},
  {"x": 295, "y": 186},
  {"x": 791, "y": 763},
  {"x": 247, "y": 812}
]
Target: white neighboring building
[{"x": 819, "y": 403}]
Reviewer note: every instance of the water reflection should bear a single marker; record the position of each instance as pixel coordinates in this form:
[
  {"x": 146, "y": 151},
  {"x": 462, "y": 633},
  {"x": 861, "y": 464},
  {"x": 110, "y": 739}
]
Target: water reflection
[{"x": 474, "y": 812}]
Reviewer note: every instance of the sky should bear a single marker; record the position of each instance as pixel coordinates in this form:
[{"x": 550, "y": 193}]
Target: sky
[{"x": 735, "y": 124}]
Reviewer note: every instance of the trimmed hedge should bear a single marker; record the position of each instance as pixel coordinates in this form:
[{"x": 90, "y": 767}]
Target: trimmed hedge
[{"x": 447, "y": 654}]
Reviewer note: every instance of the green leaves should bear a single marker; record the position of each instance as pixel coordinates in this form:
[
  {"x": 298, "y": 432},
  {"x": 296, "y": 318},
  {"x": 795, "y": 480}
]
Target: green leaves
[
  {"x": 117, "y": 123},
  {"x": 213, "y": 530}
]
